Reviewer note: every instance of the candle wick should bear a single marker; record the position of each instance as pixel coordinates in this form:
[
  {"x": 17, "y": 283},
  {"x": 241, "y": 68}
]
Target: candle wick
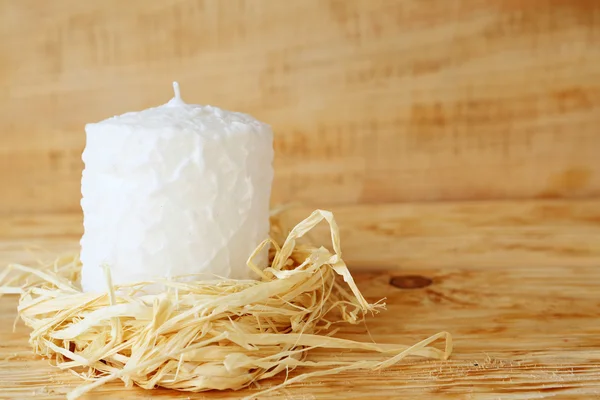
[
  {"x": 176, "y": 101},
  {"x": 176, "y": 90}
]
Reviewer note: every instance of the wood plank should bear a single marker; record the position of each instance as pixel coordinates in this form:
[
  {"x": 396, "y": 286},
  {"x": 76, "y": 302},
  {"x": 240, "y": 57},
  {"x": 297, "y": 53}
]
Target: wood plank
[
  {"x": 529, "y": 332},
  {"x": 479, "y": 235},
  {"x": 371, "y": 101},
  {"x": 514, "y": 282}
]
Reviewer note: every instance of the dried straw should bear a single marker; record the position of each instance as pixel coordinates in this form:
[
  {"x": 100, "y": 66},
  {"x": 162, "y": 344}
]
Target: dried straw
[{"x": 203, "y": 335}]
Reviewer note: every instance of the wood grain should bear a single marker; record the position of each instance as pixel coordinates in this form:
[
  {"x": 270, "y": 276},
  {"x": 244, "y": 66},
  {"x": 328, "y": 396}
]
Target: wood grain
[
  {"x": 482, "y": 235},
  {"x": 519, "y": 334},
  {"x": 514, "y": 282},
  {"x": 371, "y": 101}
]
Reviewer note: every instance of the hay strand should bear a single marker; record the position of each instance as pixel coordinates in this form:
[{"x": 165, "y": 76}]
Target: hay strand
[{"x": 204, "y": 335}]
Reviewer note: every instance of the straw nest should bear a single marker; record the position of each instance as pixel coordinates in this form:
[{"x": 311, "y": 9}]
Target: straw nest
[{"x": 203, "y": 335}]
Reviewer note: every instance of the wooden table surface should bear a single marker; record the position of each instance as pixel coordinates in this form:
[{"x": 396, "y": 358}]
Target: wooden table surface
[{"x": 516, "y": 283}]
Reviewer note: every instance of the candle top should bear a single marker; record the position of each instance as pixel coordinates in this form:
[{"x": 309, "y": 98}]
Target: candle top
[{"x": 179, "y": 115}]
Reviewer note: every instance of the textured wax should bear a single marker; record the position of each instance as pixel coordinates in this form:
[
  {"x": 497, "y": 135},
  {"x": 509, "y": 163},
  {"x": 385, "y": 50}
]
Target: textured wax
[{"x": 176, "y": 190}]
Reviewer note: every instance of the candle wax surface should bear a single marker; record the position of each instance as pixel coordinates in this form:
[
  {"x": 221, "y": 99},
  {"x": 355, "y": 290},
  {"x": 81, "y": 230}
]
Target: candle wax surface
[{"x": 174, "y": 190}]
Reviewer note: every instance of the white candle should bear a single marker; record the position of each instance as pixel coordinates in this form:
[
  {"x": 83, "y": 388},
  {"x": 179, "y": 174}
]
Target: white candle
[{"x": 174, "y": 190}]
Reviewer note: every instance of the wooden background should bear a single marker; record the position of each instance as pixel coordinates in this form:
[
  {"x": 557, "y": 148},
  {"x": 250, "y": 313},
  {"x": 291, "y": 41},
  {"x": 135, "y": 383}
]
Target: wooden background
[
  {"x": 484, "y": 115},
  {"x": 372, "y": 101}
]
